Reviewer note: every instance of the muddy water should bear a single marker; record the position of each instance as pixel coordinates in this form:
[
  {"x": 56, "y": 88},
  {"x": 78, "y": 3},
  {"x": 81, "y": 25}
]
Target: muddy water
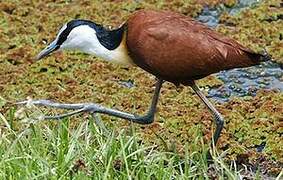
[{"x": 245, "y": 81}]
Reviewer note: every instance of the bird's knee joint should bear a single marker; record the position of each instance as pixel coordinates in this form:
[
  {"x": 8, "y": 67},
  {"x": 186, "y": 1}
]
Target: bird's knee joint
[
  {"x": 219, "y": 120},
  {"x": 147, "y": 119}
]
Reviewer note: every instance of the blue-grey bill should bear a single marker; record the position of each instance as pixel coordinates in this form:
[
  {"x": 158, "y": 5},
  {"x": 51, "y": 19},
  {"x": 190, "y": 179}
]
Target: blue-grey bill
[{"x": 49, "y": 49}]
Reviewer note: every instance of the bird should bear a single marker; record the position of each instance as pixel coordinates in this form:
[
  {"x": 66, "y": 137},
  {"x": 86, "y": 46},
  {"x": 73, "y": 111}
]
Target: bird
[{"x": 169, "y": 45}]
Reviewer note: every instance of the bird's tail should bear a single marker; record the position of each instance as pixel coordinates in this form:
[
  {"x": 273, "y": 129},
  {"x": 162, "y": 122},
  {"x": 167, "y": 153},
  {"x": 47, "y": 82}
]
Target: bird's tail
[{"x": 264, "y": 56}]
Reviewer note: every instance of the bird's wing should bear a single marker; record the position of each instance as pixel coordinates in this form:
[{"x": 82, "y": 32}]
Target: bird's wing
[{"x": 220, "y": 38}]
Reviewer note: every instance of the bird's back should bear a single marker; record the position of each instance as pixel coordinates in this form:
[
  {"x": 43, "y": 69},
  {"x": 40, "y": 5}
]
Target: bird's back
[{"x": 178, "y": 49}]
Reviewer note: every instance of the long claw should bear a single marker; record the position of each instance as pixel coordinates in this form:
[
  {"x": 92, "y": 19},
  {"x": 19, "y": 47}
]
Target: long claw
[
  {"x": 60, "y": 116},
  {"x": 100, "y": 124},
  {"x": 21, "y": 103}
]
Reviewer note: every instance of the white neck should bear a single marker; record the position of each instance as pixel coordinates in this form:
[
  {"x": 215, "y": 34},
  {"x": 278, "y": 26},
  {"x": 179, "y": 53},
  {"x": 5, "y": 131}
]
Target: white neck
[{"x": 84, "y": 38}]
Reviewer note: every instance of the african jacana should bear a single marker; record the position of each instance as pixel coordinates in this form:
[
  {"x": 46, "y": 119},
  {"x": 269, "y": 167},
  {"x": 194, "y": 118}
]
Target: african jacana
[{"x": 168, "y": 45}]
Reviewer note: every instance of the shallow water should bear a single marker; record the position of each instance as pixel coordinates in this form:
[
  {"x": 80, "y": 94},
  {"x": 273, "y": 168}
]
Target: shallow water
[{"x": 244, "y": 81}]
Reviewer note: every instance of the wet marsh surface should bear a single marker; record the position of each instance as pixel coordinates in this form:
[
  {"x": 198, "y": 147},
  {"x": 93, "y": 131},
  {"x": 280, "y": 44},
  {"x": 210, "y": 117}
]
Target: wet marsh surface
[{"x": 251, "y": 99}]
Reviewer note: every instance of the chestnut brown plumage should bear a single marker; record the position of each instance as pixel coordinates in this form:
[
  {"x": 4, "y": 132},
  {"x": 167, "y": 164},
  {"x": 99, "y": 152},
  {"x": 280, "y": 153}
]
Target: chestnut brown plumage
[
  {"x": 168, "y": 45},
  {"x": 178, "y": 49}
]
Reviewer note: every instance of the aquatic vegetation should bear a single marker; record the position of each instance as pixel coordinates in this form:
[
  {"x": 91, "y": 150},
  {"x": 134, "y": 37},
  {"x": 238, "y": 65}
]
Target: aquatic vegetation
[{"x": 253, "y": 129}]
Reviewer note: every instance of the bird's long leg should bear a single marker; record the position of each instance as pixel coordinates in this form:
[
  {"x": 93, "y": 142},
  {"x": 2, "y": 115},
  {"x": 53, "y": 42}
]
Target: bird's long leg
[
  {"x": 146, "y": 119},
  {"x": 217, "y": 116},
  {"x": 96, "y": 108}
]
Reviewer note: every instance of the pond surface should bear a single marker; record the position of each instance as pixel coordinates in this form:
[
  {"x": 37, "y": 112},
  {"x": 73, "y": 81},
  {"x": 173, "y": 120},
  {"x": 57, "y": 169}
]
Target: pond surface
[{"x": 242, "y": 81}]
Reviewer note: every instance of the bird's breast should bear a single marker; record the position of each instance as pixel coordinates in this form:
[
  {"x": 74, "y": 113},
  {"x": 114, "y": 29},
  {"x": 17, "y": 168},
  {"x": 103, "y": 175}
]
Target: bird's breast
[{"x": 119, "y": 55}]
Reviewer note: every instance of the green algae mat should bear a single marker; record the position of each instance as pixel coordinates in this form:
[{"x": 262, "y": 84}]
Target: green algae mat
[{"x": 253, "y": 125}]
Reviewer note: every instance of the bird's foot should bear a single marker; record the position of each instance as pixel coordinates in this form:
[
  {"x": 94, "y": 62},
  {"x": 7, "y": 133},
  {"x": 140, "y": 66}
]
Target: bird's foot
[{"x": 74, "y": 108}]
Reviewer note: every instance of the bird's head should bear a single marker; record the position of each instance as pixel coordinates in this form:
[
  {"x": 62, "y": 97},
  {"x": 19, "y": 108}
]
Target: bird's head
[
  {"x": 76, "y": 34},
  {"x": 91, "y": 38}
]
